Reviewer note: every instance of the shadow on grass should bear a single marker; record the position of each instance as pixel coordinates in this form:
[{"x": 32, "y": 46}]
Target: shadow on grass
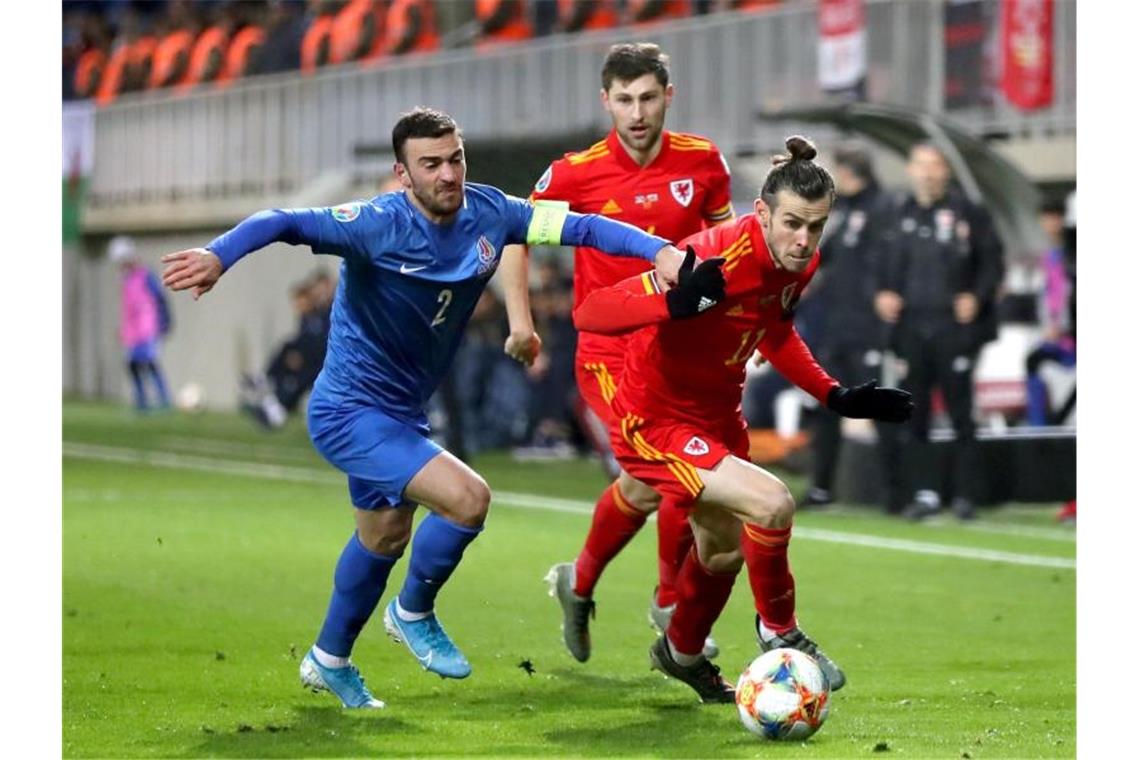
[{"x": 327, "y": 731}]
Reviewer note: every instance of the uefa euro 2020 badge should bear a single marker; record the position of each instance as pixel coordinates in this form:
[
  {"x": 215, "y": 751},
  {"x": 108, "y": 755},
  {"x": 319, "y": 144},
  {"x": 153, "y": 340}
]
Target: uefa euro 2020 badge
[
  {"x": 346, "y": 212},
  {"x": 486, "y": 253}
]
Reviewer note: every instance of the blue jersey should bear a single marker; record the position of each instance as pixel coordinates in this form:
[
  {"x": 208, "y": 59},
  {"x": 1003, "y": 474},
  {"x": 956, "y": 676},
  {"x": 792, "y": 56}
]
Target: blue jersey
[{"x": 408, "y": 286}]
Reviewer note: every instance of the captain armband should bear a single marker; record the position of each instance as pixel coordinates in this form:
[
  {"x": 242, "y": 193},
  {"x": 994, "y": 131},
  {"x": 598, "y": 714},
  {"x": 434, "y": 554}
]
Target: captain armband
[{"x": 547, "y": 222}]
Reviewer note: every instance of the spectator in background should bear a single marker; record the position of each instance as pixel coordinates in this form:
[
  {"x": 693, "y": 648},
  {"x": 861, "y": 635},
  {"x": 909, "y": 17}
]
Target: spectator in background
[
  {"x": 285, "y": 25},
  {"x": 745, "y": 5},
  {"x": 357, "y": 31},
  {"x": 247, "y": 35},
  {"x": 553, "y": 390},
  {"x": 645, "y": 12},
  {"x": 176, "y": 32},
  {"x": 410, "y": 27},
  {"x": 144, "y": 319},
  {"x": 128, "y": 66},
  {"x": 1059, "y": 344},
  {"x": 936, "y": 286},
  {"x": 270, "y": 398},
  {"x": 850, "y": 339},
  {"x": 208, "y": 55},
  {"x": 502, "y": 22},
  {"x": 95, "y": 42},
  {"x": 316, "y": 44},
  {"x": 586, "y": 15},
  {"x": 487, "y": 409}
]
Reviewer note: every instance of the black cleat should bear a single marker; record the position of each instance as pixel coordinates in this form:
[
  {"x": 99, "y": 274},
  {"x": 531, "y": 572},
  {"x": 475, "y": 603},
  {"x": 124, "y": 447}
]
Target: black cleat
[{"x": 702, "y": 676}]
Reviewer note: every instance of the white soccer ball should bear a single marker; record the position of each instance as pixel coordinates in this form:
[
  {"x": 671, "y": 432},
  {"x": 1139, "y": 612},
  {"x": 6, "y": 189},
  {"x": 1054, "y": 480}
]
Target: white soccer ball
[
  {"x": 190, "y": 398},
  {"x": 783, "y": 694}
]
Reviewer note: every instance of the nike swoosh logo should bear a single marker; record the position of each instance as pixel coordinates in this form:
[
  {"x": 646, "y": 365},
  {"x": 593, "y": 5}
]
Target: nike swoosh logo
[
  {"x": 425, "y": 661},
  {"x": 405, "y": 269}
]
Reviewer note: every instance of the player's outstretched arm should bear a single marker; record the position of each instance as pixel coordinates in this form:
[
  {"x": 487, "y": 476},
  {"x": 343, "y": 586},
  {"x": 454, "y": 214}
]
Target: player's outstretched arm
[{"x": 639, "y": 301}]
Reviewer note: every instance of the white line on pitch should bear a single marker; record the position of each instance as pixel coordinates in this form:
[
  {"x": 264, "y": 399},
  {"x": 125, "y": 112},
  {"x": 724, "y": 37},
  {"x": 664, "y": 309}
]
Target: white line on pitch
[{"x": 534, "y": 501}]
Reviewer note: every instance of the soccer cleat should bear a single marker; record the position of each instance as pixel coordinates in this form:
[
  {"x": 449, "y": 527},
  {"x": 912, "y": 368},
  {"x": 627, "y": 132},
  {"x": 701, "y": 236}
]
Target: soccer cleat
[
  {"x": 659, "y": 618},
  {"x": 430, "y": 644},
  {"x": 815, "y": 498},
  {"x": 345, "y": 683},
  {"x": 963, "y": 509},
  {"x": 797, "y": 639},
  {"x": 926, "y": 504},
  {"x": 576, "y": 610},
  {"x": 702, "y": 676}
]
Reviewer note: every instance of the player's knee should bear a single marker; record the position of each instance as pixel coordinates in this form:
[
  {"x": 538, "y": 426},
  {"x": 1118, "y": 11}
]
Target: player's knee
[
  {"x": 388, "y": 537},
  {"x": 474, "y": 500},
  {"x": 775, "y": 507}
]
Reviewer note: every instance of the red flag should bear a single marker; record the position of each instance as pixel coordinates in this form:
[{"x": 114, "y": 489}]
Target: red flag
[{"x": 1026, "y": 52}]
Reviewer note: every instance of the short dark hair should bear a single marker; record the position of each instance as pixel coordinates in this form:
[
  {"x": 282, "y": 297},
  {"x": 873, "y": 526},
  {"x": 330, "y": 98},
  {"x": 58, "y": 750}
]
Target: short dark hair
[
  {"x": 857, "y": 160},
  {"x": 421, "y": 121},
  {"x": 797, "y": 172},
  {"x": 631, "y": 60}
]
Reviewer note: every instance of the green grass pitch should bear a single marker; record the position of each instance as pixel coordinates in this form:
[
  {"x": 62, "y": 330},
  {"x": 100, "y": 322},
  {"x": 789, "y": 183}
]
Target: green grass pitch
[{"x": 198, "y": 557}]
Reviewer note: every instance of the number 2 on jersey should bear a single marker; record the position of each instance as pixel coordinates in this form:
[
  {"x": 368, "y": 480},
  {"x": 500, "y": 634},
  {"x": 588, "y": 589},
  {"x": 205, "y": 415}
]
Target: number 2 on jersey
[
  {"x": 748, "y": 344},
  {"x": 444, "y": 300}
]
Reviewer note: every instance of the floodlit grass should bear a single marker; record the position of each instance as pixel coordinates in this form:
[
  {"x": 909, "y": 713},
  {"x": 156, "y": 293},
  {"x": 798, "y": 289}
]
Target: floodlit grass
[{"x": 190, "y": 594}]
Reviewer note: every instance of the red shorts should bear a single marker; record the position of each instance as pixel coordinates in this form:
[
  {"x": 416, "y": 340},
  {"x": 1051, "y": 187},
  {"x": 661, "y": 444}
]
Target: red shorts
[
  {"x": 666, "y": 454},
  {"x": 597, "y": 383}
]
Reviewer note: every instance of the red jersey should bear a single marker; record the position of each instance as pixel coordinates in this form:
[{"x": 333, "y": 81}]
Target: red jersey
[
  {"x": 692, "y": 370},
  {"x": 682, "y": 191}
]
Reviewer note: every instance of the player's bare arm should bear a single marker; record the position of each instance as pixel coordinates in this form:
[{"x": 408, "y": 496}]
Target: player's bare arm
[
  {"x": 523, "y": 344},
  {"x": 195, "y": 269}
]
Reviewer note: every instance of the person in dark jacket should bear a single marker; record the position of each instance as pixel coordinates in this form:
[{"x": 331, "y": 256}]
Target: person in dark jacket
[
  {"x": 937, "y": 283},
  {"x": 850, "y": 339}
]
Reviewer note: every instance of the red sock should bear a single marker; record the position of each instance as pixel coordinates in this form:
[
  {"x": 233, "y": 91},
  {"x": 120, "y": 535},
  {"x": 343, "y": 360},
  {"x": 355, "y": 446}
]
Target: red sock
[
  {"x": 773, "y": 588},
  {"x": 674, "y": 539},
  {"x": 616, "y": 521},
  {"x": 701, "y": 596}
]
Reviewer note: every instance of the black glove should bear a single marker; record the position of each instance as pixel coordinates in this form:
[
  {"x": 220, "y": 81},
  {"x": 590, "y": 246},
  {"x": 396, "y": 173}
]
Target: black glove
[
  {"x": 697, "y": 289},
  {"x": 869, "y": 401}
]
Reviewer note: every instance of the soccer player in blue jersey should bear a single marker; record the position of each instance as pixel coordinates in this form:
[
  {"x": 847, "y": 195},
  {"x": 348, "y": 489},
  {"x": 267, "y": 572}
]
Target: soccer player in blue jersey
[{"x": 415, "y": 263}]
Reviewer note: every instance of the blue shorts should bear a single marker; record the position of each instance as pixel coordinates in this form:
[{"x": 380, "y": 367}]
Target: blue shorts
[
  {"x": 379, "y": 454},
  {"x": 147, "y": 351}
]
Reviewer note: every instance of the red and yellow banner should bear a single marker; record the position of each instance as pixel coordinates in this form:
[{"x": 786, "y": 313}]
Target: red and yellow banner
[{"x": 1026, "y": 52}]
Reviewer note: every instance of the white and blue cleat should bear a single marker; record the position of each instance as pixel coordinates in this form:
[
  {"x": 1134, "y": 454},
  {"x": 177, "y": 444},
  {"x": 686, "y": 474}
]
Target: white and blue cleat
[
  {"x": 345, "y": 683},
  {"x": 430, "y": 644}
]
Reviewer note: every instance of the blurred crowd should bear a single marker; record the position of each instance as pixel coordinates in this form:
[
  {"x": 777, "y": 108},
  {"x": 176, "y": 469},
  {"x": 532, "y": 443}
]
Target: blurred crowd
[{"x": 120, "y": 46}]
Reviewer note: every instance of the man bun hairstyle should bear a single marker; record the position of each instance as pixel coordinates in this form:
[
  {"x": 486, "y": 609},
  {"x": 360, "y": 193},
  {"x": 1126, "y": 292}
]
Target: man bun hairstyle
[
  {"x": 421, "y": 121},
  {"x": 797, "y": 172},
  {"x": 628, "y": 61}
]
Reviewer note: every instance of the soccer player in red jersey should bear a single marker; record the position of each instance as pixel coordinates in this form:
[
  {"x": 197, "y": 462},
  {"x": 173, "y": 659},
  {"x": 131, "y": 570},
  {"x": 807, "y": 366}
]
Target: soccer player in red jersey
[
  {"x": 681, "y": 433},
  {"x": 670, "y": 184}
]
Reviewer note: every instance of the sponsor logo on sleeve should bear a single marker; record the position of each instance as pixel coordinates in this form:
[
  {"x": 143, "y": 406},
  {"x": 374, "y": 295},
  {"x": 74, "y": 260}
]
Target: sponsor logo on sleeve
[
  {"x": 544, "y": 180},
  {"x": 346, "y": 212}
]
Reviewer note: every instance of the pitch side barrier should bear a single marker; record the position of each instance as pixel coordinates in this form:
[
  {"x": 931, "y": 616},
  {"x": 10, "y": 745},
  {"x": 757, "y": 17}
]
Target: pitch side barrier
[
  {"x": 209, "y": 157},
  {"x": 1019, "y": 464}
]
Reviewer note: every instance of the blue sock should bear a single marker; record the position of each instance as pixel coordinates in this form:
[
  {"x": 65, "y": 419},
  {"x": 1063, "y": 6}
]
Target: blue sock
[
  {"x": 436, "y": 550},
  {"x": 1037, "y": 401},
  {"x": 137, "y": 384},
  {"x": 358, "y": 583},
  {"x": 159, "y": 385}
]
